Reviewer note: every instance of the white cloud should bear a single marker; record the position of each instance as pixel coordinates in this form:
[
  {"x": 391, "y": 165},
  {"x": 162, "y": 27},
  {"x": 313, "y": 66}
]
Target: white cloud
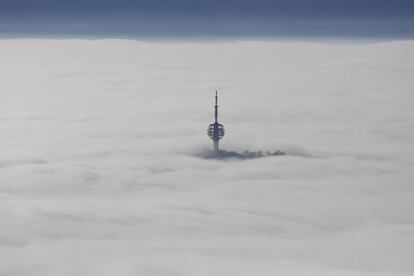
[{"x": 98, "y": 174}]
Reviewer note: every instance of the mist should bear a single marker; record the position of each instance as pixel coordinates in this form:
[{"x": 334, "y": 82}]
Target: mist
[{"x": 99, "y": 173}]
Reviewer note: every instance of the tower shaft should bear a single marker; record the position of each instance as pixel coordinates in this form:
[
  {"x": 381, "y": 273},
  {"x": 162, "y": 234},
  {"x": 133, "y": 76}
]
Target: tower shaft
[{"x": 215, "y": 146}]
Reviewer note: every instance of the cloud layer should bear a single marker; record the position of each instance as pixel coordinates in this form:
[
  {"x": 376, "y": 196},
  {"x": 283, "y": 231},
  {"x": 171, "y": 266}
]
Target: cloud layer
[{"x": 98, "y": 174}]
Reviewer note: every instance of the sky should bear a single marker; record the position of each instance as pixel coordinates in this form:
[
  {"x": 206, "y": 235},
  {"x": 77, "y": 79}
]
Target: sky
[
  {"x": 100, "y": 172},
  {"x": 219, "y": 19}
]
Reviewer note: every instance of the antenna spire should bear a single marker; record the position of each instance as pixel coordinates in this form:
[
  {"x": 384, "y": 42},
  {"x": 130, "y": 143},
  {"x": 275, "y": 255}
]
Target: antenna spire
[{"x": 216, "y": 109}]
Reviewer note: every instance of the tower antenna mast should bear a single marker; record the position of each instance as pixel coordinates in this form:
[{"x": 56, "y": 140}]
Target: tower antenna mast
[
  {"x": 216, "y": 109},
  {"x": 215, "y": 130}
]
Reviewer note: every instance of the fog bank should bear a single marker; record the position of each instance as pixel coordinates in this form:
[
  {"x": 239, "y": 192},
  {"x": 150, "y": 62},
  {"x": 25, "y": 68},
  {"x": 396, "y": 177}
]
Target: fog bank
[{"x": 98, "y": 174}]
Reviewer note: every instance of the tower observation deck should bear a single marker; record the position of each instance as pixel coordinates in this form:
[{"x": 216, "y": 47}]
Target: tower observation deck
[{"x": 215, "y": 130}]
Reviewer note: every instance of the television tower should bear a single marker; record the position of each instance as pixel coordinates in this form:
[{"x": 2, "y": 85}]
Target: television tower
[{"x": 215, "y": 130}]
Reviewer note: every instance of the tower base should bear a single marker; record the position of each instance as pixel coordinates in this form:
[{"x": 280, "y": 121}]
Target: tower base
[{"x": 215, "y": 146}]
